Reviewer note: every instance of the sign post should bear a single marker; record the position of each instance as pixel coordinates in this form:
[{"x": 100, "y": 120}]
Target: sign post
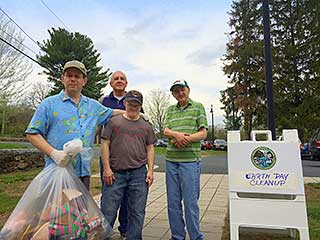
[{"x": 266, "y": 188}]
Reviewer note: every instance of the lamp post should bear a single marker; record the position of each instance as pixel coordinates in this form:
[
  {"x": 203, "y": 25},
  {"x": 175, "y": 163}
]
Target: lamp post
[
  {"x": 212, "y": 123},
  {"x": 268, "y": 67}
]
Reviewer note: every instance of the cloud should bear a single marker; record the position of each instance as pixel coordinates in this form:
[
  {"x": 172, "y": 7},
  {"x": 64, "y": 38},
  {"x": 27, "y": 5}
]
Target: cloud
[
  {"x": 206, "y": 56},
  {"x": 147, "y": 24},
  {"x": 153, "y": 43}
]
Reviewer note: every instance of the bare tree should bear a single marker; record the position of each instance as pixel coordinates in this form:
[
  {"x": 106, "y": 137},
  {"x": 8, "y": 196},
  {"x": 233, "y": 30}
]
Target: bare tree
[
  {"x": 14, "y": 68},
  {"x": 38, "y": 92},
  {"x": 156, "y": 106}
]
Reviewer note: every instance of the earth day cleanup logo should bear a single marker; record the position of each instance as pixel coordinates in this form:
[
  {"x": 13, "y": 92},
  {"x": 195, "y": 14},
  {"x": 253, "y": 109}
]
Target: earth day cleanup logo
[{"x": 263, "y": 158}]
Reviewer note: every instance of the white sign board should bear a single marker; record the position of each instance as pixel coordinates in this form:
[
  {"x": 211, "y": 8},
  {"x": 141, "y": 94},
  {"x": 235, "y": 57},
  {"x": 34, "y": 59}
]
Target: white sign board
[{"x": 266, "y": 167}]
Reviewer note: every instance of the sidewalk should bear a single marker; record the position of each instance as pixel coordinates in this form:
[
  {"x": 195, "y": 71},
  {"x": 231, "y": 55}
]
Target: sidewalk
[{"x": 213, "y": 204}]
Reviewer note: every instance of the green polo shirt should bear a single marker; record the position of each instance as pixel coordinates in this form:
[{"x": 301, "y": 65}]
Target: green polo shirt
[{"x": 189, "y": 119}]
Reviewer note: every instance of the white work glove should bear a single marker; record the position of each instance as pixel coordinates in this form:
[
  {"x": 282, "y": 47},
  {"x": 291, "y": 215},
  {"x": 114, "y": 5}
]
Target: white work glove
[
  {"x": 70, "y": 150},
  {"x": 60, "y": 157},
  {"x": 73, "y": 147}
]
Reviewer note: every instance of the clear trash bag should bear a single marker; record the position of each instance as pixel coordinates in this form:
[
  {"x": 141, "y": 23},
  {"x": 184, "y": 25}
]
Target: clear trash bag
[{"x": 56, "y": 206}]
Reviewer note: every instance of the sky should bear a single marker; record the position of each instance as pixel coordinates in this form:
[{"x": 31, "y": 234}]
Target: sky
[{"x": 152, "y": 42}]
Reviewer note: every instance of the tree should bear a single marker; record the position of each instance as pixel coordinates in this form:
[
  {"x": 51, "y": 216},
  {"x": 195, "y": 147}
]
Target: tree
[
  {"x": 232, "y": 119},
  {"x": 64, "y": 46},
  {"x": 14, "y": 68},
  {"x": 295, "y": 40},
  {"x": 243, "y": 62},
  {"x": 156, "y": 105},
  {"x": 17, "y": 119},
  {"x": 39, "y": 91}
]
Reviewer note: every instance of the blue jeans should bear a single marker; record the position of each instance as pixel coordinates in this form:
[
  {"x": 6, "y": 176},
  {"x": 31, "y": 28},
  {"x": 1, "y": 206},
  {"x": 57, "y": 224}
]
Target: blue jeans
[
  {"x": 183, "y": 183},
  {"x": 134, "y": 182},
  {"x": 123, "y": 213}
]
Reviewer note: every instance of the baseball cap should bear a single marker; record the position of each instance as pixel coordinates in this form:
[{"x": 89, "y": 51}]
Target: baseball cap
[
  {"x": 181, "y": 83},
  {"x": 75, "y": 64},
  {"x": 134, "y": 95}
]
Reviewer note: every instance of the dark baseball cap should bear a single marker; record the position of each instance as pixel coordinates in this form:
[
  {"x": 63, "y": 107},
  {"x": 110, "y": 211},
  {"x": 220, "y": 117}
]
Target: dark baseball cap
[
  {"x": 134, "y": 95},
  {"x": 181, "y": 83},
  {"x": 75, "y": 64}
]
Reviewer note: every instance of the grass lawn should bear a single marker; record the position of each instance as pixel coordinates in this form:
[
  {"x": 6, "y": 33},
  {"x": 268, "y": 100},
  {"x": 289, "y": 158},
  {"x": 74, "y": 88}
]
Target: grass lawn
[
  {"x": 13, "y": 146},
  {"x": 312, "y": 191},
  {"x": 162, "y": 151},
  {"x": 12, "y": 186}
]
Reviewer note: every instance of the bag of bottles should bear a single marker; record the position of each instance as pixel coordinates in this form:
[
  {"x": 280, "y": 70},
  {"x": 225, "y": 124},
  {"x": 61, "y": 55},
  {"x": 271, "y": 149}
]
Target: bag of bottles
[{"x": 56, "y": 206}]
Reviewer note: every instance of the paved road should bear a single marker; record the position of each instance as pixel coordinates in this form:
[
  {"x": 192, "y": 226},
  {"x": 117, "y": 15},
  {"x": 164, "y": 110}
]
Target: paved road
[
  {"x": 219, "y": 165},
  {"x": 311, "y": 168},
  {"x": 210, "y": 165}
]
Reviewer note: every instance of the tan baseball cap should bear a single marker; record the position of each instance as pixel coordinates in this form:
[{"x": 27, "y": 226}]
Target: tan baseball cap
[{"x": 75, "y": 64}]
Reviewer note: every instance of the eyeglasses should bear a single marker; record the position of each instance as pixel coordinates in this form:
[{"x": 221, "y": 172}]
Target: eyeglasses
[{"x": 119, "y": 78}]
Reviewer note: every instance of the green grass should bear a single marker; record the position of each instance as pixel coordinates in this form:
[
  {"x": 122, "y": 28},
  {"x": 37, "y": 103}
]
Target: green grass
[
  {"x": 18, "y": 177},
  {"x": 162, "y": 151},
  {"x": 7, "y": 203},
  {"x": 13, "y": 146},
  {"x": 12, "y": 187},
  {"x": 313, "y": 209},
  {"x": 213, "y": 153}
]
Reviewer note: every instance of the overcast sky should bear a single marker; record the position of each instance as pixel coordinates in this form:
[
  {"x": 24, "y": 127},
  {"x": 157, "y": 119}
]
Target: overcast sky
[{"x": 153, "y": 41}]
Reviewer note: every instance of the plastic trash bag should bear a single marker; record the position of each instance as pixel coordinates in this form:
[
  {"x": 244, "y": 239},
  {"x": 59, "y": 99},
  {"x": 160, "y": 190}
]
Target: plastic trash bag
[{"x": 56, "y": 206}]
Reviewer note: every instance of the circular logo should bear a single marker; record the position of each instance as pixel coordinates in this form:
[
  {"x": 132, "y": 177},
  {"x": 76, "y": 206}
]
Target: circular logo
[{"x": 263, "y": 158}]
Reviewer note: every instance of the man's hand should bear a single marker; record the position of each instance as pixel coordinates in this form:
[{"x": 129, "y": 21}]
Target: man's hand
[
  {"x": 108, "y": 176},
  {"x": 149, "y": 178},
  {"x": 60, "y": 157},
  {"x": 181, "y": 139}
]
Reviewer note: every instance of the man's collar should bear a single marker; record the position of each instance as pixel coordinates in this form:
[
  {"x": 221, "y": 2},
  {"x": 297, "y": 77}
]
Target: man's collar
[
  {"x": 111, "y": 95},
  {"x": 66, "y": 97},
  {"x": 190, "y": 102}
]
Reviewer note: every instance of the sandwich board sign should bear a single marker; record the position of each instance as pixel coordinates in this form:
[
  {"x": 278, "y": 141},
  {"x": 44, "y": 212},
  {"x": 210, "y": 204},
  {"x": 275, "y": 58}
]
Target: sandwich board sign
[{"x": 266, "y": 188}]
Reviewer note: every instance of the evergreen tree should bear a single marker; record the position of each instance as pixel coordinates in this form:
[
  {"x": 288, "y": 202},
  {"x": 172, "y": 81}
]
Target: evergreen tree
[
  {"x": 295, "y": 41},
  {"x": 232, "y": 119},
  {"x": 244, "y": 60},
  {"x": 63, "y": 46},
  {"x": 295, "y": 34}
]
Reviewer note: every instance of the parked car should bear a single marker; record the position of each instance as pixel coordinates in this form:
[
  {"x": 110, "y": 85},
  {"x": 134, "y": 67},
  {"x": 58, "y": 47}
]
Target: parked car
[
  {"x": 304, "y": 149},
  {"x": 206, "y": 145},
  {"x": 220, "y": 144},
  {"x": 161, "y": 142},
  {"x": 314, "y": 145}
]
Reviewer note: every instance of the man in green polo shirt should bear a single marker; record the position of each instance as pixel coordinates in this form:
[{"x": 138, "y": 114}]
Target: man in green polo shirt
[{"x": 186, "y": 124}]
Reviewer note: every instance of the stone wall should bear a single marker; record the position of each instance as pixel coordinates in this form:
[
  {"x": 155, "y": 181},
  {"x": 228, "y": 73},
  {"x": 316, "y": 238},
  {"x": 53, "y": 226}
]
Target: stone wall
[{"x": 12, "y": 160}]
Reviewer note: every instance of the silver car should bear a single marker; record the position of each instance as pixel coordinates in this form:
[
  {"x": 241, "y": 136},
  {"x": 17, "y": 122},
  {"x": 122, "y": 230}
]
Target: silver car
[{"x": 220, "y": 144}]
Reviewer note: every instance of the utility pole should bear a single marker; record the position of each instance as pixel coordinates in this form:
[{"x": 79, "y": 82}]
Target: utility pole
[
  {"x": 212, "y": 122},
  {"x": 268, "y": 67}
]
